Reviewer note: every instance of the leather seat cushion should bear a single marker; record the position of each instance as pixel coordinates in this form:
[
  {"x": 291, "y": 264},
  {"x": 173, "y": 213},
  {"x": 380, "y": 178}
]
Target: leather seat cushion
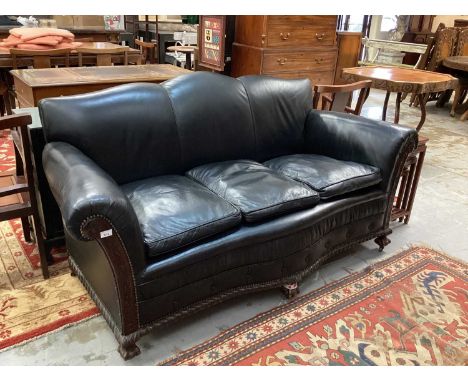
[
  {"x": 329, "y": 177},
  {"x": 174, "y": 211},
  {"x": 259, "y": 192}
]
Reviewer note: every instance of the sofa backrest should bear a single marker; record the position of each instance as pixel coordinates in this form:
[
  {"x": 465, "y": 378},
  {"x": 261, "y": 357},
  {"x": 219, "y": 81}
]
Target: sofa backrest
[
  {"x": 279, "y": 110},
  {"x": 213, "y": 118},
  {"x": 141, "y": 130},
  {"x": 129, "y": 130}
]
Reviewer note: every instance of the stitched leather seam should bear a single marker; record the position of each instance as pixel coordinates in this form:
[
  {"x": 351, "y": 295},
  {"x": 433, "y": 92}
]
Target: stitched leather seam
[
  {"x": 254, "y": 125},
  {"x": 177, "y": 127}
]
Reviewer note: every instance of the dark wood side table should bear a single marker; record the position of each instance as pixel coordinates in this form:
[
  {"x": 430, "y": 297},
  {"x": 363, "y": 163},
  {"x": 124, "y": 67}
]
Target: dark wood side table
[
  {"x": 408, "y": 185},
  {"x": 402, "y": 80}
]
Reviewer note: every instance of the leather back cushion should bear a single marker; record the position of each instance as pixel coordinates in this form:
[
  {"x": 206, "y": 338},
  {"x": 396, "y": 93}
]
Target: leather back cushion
[
  {"x": 213, "y": 118},
  {"x": 137, "y": 131},
  {"x": 128, "y": 130},
  {"x": 279, "y": 110}
]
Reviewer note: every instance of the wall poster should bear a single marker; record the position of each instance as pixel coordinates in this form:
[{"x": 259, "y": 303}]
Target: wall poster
[{"x": 211, "y": 39}]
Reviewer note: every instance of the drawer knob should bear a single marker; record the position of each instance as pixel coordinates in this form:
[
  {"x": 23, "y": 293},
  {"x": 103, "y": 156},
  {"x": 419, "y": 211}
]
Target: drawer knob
[
  {"x": 281, "y": 61},
  {"x": 318, "y": 61},
  {"x": 319, "y": 36},
  {"x": 284, "y": 36}
]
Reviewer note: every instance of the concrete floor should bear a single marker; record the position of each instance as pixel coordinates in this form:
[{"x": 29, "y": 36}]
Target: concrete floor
[{"x": 439, "y": 220}]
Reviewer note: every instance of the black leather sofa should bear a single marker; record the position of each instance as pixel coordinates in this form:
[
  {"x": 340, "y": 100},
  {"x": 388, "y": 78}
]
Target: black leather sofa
[{"x": 178, "y": 196}]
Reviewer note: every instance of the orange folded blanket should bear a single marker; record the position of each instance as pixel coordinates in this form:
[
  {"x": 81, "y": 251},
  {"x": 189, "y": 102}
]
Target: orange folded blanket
[
  {"x": 39, "y": 39},
  {"x": 27, "y": 34}
]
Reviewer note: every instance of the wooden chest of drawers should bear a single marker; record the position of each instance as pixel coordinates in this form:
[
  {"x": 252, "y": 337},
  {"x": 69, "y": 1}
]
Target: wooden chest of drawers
[{"x": 286, "y": 47}]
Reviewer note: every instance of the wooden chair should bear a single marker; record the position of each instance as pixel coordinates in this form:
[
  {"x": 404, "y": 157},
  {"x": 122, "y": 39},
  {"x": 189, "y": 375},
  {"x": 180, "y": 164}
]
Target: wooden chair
[
  {"x": 444, "y": 46},
  {"x": 17, "y": 195},
  {"x": 148, "y": 51},
  {"x": 103, "y": 56},
  {"x": 5, "y": 106},
  {"x": 339, "y": 97},
  {"x": 41, "y": 58},
  {"x": 462, "y": 89}
]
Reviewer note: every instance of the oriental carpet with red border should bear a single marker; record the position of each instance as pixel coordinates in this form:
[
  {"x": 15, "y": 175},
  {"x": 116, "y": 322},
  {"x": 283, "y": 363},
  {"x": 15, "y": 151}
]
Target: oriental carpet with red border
[{"x": 411, "y": 309}]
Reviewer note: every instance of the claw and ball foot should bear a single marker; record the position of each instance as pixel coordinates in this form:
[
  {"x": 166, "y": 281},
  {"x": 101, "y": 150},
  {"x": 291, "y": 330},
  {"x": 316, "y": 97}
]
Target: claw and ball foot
[
  {"x": 129, "y": 350},
  {"x": 290, "y": 290},
  {"x": 382, "y": 241}
]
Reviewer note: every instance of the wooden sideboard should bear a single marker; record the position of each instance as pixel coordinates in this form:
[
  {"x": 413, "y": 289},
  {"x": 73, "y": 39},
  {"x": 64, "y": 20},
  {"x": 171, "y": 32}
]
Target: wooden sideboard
[{"x": 286, "y": 47}]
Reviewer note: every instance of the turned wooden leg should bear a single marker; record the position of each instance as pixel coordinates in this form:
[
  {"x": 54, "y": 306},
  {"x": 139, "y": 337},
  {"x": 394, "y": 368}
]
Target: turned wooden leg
[
  {"x": 456, "y": 99},
  {"x": 128, "y": 350},
  {"x": 382, "y": 241},
  {"x": 290, "y": 290}
]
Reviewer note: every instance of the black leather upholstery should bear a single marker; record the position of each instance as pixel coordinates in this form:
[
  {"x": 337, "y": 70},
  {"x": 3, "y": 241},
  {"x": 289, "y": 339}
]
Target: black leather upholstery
[
  {"x": 259, "y": 192},
  {"x": 250, "y": 254},
  {"x": 329, "y": 177},
  {"x": 174, "y": 211},
  {"x": 82, "y": 189},
  {"x": 279, "y": 110},
  {"x": 133, "y": 123},
  {"x": 122, "y": 154},
  {"x": 213, "y": 118},
  {"x": 357, "y": 139}
]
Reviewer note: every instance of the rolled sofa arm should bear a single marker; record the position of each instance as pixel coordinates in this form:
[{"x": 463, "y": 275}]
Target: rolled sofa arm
[
  {"x": 358, "y": 139},
  {"x": 85, "y": 191}
]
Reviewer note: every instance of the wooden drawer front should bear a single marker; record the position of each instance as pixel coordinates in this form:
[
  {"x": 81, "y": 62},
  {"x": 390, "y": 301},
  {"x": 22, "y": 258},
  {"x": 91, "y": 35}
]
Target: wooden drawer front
[
  {"x": 303, "y": 61},
  {"x": 304, "y": 31},
  {"x": 317, "y": 78}
]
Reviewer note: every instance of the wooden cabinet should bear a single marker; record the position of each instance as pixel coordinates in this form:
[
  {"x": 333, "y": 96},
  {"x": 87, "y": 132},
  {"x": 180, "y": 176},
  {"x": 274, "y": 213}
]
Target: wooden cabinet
[{"x": 286, "y": 47}]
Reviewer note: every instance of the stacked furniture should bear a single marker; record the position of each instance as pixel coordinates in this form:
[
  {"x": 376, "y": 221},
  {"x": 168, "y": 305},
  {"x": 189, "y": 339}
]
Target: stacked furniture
[
  {"x": 178, "y": 196},
  {"x": 286, "y": 47}
]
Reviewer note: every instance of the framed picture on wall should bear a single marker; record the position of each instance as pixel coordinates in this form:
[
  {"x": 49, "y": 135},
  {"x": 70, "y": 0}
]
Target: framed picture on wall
[{"x": 211, "y": 42}]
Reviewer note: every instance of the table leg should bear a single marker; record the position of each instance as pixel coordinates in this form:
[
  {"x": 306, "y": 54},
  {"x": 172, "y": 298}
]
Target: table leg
[
  {"x": 397, "y": 108},
  {"x": 384, "y": 111},
  {"x": 456, "y": 99},
  {"x": 422, "y": 105},
  {"x": 188, "y": 60}
]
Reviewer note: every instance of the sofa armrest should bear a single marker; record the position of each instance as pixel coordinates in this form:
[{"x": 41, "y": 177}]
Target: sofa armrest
[
  {"x": 85, "y": 191},
  {"x": 358, "y": 139}
]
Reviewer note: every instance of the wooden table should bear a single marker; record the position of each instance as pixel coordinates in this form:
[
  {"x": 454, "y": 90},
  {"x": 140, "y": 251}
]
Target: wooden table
[
  {"x": 134, "y": 56},
  {"x": 402, "y": 80},
  {"x": 187, "y": 49},
  {"x": 459, "y": 64},
  {"x": 33, "y": 85}
]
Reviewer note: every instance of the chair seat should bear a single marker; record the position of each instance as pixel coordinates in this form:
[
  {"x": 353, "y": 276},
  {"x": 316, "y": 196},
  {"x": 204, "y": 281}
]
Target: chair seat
[
  {"x": 329, "y": 177},
  {"x": 174, "y": 211},
  {"x": 259, "y": 192}
]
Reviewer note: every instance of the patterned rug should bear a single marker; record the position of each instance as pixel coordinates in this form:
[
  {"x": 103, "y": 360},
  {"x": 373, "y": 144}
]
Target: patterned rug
[
  {"x": 29, "y": 305},
  {"x": 408, "y": 310}
]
